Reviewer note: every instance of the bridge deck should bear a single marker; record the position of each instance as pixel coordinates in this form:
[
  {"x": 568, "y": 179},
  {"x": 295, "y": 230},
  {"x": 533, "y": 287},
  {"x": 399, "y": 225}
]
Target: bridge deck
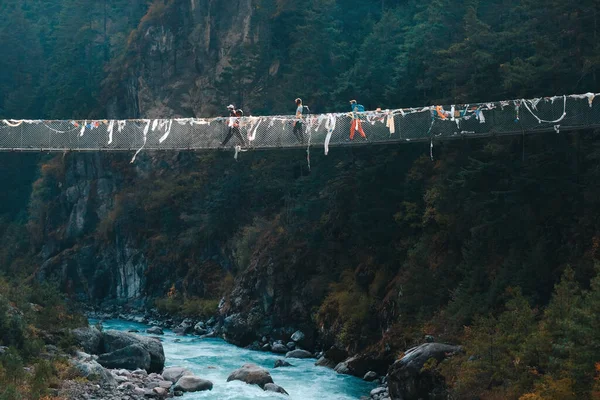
[{"x": 514, "y": 117}]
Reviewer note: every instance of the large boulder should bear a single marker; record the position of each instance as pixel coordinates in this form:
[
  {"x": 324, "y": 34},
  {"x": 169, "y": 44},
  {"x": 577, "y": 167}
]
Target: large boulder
[
  {"x": 173, "y": 374},
  {"x": 299, "y": 354},
  {"x": 130, "y": 357},
  {"x": 192, "y": 384},
  {"x": 406, "y": 378},
  {"x": 251, "y": 374},
  {"x": 271, "y": 387},
  {"x": 115, "y": 340},
  {"x": 89, "y": 368},
  {"x": 89, "y": 338}
]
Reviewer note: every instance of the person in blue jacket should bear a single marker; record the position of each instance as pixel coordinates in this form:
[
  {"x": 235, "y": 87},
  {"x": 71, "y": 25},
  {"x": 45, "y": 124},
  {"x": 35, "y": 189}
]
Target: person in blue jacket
[{"x": 356, "y": 124}]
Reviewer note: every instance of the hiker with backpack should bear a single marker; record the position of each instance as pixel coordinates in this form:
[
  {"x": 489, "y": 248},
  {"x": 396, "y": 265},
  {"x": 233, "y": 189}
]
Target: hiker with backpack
[
  {"x": 356, "y": 123},
  {"x": 300, "y": 109},
  {"x": 234, "y": 125}
]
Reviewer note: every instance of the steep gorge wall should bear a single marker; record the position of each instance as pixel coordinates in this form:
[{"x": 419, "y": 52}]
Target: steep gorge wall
[
  {"x": 92, "y": 270},
  {"x": 176, "y": 56}
]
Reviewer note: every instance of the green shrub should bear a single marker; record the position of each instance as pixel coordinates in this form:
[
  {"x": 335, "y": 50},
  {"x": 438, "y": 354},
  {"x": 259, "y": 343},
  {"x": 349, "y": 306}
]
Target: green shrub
[
  {"x": 195, "y": 307},
  {"x": 168, "y": 305},
  {"x": 41, "y": 379},
  {"x": 12, "y": 364}
]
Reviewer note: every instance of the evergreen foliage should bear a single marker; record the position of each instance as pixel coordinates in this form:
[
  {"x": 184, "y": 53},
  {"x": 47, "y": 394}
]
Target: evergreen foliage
[{"x": 493, "y": 245}]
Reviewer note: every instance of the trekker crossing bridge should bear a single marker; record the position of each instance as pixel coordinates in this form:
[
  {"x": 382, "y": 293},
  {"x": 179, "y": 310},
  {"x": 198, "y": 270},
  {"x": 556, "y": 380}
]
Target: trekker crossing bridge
[{"x": 431, "y": 124}]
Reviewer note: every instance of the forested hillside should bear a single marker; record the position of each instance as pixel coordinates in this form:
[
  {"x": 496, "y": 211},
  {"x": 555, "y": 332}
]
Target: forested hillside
[
  {"x": 494, "y": 245},
  {"x": 191, "y": 57}
]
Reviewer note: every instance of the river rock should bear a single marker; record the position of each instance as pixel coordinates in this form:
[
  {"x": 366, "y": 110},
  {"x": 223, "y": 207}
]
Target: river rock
[
  {"x": 252, "y": 374},
  {"x": 129, "y": 357},
  {"x": 271, "y": 387},
  {"x": 165, "y": 384},
  {"x": 192, "y": 384},
  {"x": 115, "y": 340},
  {"x": 291, "y": 345},
  {"x": 174, "y": 373},
  {"x": 200, "y": 328},
  {"x": 155, "y": 330},
  {"x": 90, "y": 339},
  {"x": 126, "y": 386},
  {"x": 378, "y": 391},
  {"x": 186, "y": 327},
  {"x": 161, "y": 392},
  {"x": 342, "y": 368},
  {"x": 370, "y": 376},
  {"x": 200, "y": 331},
  {"x": 407, "y": 380},
  {"x": 298, "y": 336},
  {"x": 299, "y": 354},
  {"x": 282, "y": 363},
  {"x": 325, "y": 362},
  {"x": 279, "y": 348}
]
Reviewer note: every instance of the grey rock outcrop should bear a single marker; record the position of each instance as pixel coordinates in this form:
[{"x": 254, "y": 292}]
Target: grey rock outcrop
[
  {"x": 115, "y": 340},
  {"x": 406, "y": 379},
  {"x": 89, "y": 368}
]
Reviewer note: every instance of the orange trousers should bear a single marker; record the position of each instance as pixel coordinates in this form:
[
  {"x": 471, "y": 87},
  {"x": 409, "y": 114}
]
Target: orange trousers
[{"x": 356, "y": 125}]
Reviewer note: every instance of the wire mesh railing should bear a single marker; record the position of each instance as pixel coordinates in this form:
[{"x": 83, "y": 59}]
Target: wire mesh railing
[{"x": 324, "y": 130}]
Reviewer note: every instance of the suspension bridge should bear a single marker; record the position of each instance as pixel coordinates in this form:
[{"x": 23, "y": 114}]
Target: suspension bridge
[{"x": 431, "y": 124}]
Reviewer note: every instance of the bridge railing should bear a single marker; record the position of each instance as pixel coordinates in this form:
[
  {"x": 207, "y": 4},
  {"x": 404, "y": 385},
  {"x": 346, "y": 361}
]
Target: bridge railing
[{"x": 324, "y": 130}]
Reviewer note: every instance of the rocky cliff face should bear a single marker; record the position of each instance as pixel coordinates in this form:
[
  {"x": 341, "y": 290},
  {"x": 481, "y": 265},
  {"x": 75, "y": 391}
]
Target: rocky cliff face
[
  {"x": 88, "y": 268},
  {"x": 177, "y": 55}
]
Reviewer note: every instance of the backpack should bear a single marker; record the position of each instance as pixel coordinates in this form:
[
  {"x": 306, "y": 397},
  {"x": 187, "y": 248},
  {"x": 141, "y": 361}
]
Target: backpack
[
  {"x": 359, "y": 108},
  {"x": 305, "y": 110}
]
